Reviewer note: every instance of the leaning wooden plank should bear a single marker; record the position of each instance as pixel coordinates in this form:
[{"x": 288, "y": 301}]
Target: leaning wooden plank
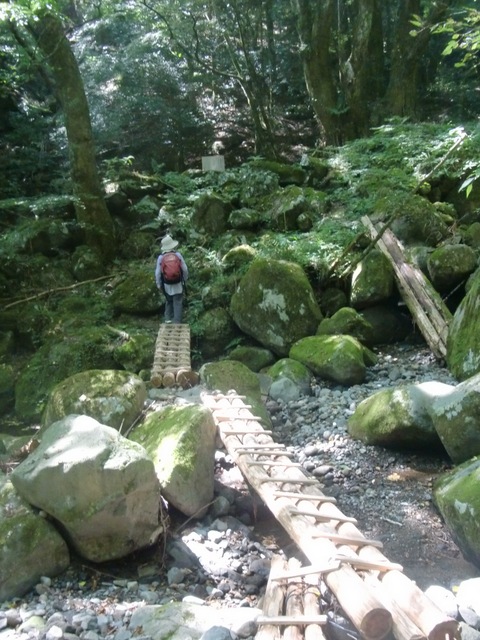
[
  {"x": 272, "y": 601},
  {"x": 288, "y": 620},
  {"x": 424, "y": 303}
]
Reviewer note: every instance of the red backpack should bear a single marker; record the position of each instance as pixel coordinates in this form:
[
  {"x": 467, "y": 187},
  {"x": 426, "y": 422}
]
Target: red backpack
[{"x": 171, "y": 268}]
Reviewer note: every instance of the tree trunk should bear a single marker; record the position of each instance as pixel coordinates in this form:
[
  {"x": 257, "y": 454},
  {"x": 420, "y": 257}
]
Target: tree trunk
[
  {"x": 315, "y": 26},
  {"x": 407, "y": 67},
  {"x": 90, "y": 206}
]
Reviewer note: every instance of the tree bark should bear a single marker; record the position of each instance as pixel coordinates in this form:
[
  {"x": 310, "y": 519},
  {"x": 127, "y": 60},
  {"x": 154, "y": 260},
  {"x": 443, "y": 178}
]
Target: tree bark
[{"x": 90, "y": 207}]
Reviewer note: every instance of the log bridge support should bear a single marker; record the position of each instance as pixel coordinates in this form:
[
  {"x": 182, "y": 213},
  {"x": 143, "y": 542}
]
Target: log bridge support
[{"x": 374, "y": 593}]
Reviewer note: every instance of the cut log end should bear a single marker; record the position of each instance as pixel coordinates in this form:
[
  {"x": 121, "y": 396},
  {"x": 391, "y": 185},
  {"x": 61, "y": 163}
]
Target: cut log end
[
  {"x": 168, "y": 379},
  {"x": 187, "y": 378},
  {"x": 156, "y": 380},
  {"x": 376, "y": 624}
]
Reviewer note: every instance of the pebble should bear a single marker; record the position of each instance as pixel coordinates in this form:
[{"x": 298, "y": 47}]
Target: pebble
[{"x": 219, "y": 559}]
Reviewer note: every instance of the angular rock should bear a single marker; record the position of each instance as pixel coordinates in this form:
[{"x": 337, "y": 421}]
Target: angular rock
[
  {"x": 31, "y": 546},
  {"x": 372, "y": 281},
  {"x": 114, "y": 398},
  {"x": 463, "y": 343},
  {"x": 399, "y": 417},
  {"x": 456, "y": 417},
  {"x": 100, "y": 487},
  {"x": 295, "y": 371},
  {"x": 457, "y": 496},
  {"x": 181, "y": 443},
  {"x": 228, "y": 375}
]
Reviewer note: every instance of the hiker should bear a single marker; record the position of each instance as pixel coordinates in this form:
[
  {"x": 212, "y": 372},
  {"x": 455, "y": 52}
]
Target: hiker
[{"x": 171, "y": 273}]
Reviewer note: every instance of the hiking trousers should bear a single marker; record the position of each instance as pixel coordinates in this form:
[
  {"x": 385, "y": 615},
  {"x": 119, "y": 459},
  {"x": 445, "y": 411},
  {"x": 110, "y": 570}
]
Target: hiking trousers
[{"x": 174, "y": 308}]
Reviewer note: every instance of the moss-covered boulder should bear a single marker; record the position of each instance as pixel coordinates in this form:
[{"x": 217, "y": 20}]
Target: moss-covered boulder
[
  {"x": 456, "y": 417},
  {"x": 230, "y": 375},
  {"x": 210, "y": 215},
  {"x": 245, "y": 219},
  {"x": 456, "y": 494},
  {"x": 341, "y": 359},
  {"x": 417, "y": 220},
  {"x": 181, "y": 443},
  {"x": 347, "y": 321},
  {"x": 239, "y": 256},
  {"x": 7, "y": 387},
  {"x": 293, "y": 370},
  {"x": 450, "y": 265},
  {"x": 275, "y": 304},
  {"x": 138, "y": 245},
  {"x": 217, "y": 330},
  {"x": 135, "y": 352},
  {"x": 255, "y": 358},
  {"x": 287, "y": 173},
  {"x": 463, "y": 342},
  {"x": 287, "y": 207},
  {"x": 7, "y": 343},
  {"x": 85, "y": 349},
  {"x": 31, "y": 545},
  {"x": 137, "y": 294},
  {"x": 372, "y": 281},
  {"x": 399, "y": 418},
  {"x": 114, "y": 398}
]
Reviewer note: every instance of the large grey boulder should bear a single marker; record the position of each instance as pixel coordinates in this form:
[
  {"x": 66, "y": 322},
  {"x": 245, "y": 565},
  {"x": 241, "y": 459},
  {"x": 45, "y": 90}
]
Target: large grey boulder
[
  {"x": 463, "y": 343},
  {"x": 100, "y": 487},
  {"x": 399, "y": 417},
  {"x": 456, "y": 417},
  {"x": 457, "y": 496},
  {"x": 31, "y": 546},
  {"x": 181, "y": 443},
  {"x": 113, "y": 397},
  {"x": 341, "y": 359},
  {"x": 372, "y": 281},
  {"x": 275, "y": 304}
]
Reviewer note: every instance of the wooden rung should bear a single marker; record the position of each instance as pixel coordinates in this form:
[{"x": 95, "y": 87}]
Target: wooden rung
[
  {"x": 230, "y": 418},
  {"x": 360, "y": 563},
  {"x": 304, "y": 496},
  {"x": 287, "y": 620},
  {"x": 270, "y": 445},
  {"x": 322, "y": 516},
  {"x": 337, "y": 537},
  {"x": 307, "y": 571},
  {"x": 273, "y": 463},
  {"x": 234, "y": 408},
  {"x": 287, "y": 480},
  {"x": 243, "y": 432},
  {"x": 263, "y": 452}
]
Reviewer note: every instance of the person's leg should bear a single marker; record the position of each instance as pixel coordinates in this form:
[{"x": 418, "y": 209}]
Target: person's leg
[
  {"x": 177, "y": 308},
  {"x": 169, "y": 306}
]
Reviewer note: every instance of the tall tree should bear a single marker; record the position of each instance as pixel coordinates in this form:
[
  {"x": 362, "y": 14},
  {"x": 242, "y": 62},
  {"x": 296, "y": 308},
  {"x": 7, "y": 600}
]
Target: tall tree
[
  {"x": 230, "y": 42},
  {"x": 59, "y": 63},
  {"x": 90, "y": 207},
  {"x": 361, "y": 62}
]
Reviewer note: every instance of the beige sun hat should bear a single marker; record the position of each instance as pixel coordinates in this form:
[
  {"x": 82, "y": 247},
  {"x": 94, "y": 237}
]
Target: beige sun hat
[{"x": 168, "y": 244}]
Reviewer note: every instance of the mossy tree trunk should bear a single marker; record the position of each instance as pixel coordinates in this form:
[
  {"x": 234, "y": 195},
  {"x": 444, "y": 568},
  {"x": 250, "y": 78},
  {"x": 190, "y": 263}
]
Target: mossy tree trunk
[{"x": 91, "y": 210}]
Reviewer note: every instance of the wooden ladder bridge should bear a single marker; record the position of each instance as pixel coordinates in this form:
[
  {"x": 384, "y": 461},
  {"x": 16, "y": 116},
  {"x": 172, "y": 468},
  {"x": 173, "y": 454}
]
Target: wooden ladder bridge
[{"x": 380, "y": 601}]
